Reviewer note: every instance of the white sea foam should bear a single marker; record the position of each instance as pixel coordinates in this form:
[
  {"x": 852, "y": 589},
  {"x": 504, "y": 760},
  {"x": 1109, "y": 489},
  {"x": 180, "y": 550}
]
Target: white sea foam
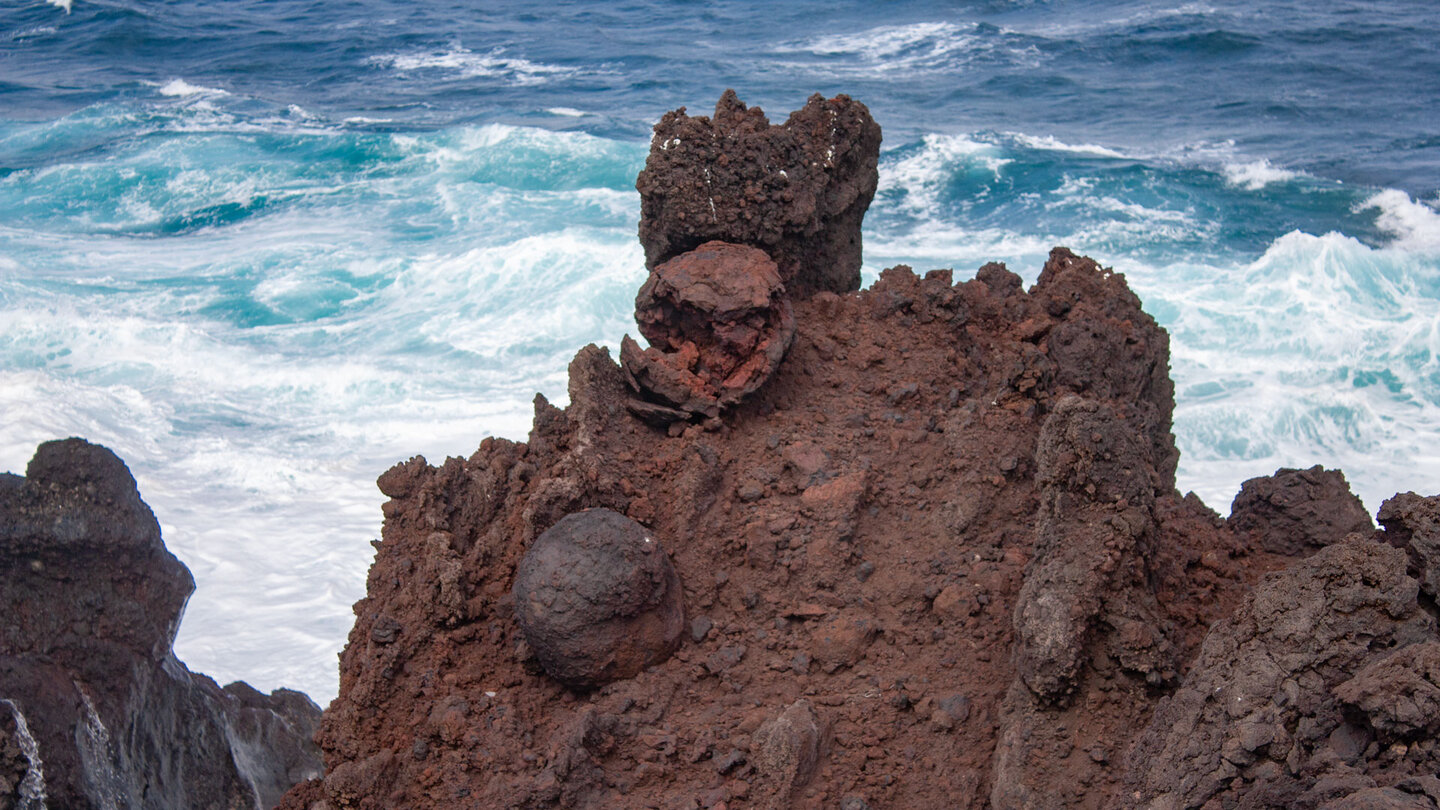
[
  {"x": 1088, "y": 24},
  {"x": 64, "y": 4},
  {"x": 567, "y": 112},
  {"x": 180, "y": 88},
  {"x": 1414, "y": 225},
  {"x": 26, "y": 33},
  {"x": 1255, "y": 175},
  {"x": 890, "y": 41},
  {"x": 1322, "y": 351},
  {"x": 923, "y": 47},
  {"x": 370, "y": 346},
  {"x": 1050, "y": 144},
  {"x": 919, "y": 179},
  {"x": 935, "y": 246},
  {"x": 492, "y": 64}
]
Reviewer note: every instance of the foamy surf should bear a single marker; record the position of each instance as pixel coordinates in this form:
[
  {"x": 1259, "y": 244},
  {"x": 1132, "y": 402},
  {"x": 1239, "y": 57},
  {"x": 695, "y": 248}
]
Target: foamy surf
[
  {"x": 1255, "y": 175},
  {"x": 492, "y": 64},
  {"x": 179, "y": 88},
  {"x": 1324, "y": 353},
  {"x": 1414, "y": 225},
  {"x": 62, "y": 4},
  {"x": 258, "y": 373},
  {"x": 912, "y": 49}
]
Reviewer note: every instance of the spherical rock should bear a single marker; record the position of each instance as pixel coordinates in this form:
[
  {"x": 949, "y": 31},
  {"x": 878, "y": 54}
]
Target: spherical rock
[
  {"x": 598, "y": 599},
  {"x": 719, "y": 324}
]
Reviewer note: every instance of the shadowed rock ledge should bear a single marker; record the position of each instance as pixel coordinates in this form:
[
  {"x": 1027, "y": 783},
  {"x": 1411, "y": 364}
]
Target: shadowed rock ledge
[{"x": 95, "y": 710}]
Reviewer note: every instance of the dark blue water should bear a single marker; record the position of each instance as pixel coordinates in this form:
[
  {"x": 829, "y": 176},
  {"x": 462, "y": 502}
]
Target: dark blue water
[
  {"x": 1344, "y": 90},
  {"x": 265, "y": 249}
]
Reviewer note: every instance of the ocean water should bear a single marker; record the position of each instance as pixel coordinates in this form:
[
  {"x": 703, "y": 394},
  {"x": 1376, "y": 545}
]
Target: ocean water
[{"x": 264, "y": 250}]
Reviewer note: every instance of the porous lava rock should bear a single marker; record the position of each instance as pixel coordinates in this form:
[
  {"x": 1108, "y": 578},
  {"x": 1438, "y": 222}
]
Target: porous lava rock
[
  {"x": 798, "y": 190},
  {"x": 1399, "y": 694},
  {"x": 598, "y": 599},
  {"x": 1262, "y": 719},
  {"x": 91, "y": 693},
  {"x": 1412, "y": 522},
  {"x": 936, "y": 561},
  {"x": 1420, "y": 793},
  {"x": 718, "y": 323},
  {"x": 854, "y": 534},
  {"x": 1299, "y": 511}
]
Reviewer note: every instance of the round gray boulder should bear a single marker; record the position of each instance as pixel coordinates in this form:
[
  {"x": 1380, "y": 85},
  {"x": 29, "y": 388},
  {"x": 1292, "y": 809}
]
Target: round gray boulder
[{"x": 598, "y": 599}]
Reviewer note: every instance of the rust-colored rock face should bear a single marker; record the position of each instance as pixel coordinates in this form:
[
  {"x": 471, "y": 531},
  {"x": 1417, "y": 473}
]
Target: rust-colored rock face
[
  {"x": 718, "y": 322},
  {"x": 798, "y": 191},
  {"x": 598, "y": 599},
  {"x": 936, "y": 559}
]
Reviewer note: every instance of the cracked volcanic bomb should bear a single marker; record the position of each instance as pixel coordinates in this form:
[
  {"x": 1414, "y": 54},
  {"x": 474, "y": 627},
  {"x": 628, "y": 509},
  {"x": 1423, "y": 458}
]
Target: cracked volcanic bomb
[{"x": 931, "y": 556}]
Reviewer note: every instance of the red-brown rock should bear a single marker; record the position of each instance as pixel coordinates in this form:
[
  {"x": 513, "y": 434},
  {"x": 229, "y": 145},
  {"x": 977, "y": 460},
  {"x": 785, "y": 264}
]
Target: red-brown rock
[
  {"x": 718, "y": 323},
  {"x": 936, "y": 560}
]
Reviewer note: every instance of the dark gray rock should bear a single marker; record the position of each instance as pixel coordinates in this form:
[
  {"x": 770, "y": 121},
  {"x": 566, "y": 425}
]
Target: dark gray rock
[
  {"x": 1399, "y": 694},
  {"x": 1295, "y": 512},
  {"x": 598, "y": 599},
  {"x": 798, "y": 191},
  {"x": 1259, "y": 721},
  {"x": 93, "y": 600},
  {"x": 1413, "y": 523}
]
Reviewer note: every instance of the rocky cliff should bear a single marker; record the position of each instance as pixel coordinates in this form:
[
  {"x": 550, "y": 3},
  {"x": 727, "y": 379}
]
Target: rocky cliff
[
  {"x": 95, "y": 710},
  {"x": 917, "y": 546}
]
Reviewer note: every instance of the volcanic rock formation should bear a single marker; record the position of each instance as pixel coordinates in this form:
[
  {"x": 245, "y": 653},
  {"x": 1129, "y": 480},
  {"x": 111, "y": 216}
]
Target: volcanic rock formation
[
  {"x": 798, "y": 191},
  {"x": 1299, "y": 511},
  {"x": 936, "y": 559},
  {"x": 95, "y": 710}
]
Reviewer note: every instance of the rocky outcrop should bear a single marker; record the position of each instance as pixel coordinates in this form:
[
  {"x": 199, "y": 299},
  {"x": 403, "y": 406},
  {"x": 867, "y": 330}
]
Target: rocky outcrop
[
  {"x": 798, "y": 191},
  {"x": 1296, "y": 512},
  {"x": 1413, "y": 523},
  {"x": 95, "y": 710},
  {"x": 854, "y": 535},
  {"x": 1279, "y": 708},
  {"x": 933, "y": 558}
]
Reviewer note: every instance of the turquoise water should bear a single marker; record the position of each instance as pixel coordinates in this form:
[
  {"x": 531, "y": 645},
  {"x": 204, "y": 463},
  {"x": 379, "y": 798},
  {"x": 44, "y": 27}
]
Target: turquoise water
[{"x": 265, "y": 250}]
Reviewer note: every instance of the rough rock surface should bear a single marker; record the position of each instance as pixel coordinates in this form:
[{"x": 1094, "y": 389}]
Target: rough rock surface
[
  {"x": 936, "y": 560},
  {"x": 92, "y": 600},
  {"x": 855, "y": 534},
  {"x": 718, "y": 323},
  {"x": 1282, "y": 706},
  {"x": 1298, "y": 511},
  {"x": 798, "y": 191},
  {"x": 1413, "y": 523},
  {"x": 598, "y": 599}
]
